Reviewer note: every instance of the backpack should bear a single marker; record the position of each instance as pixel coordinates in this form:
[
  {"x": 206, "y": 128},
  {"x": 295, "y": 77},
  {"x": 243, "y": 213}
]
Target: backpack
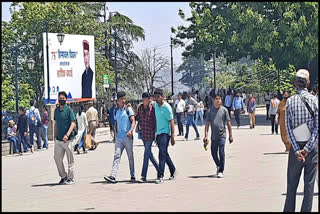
[
  {"x": 75, "y": 129},
  {"x": 33, "y": 117}
]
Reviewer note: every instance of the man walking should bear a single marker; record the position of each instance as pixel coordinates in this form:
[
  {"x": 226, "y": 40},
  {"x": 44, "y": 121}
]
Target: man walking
[
  {"x": 191, "y": 105},
  {"x": 274, "y": 103},
  {"x": 180, "y": 106},
  {"x": 165, "y": 122},
  {"x": 112, "y": 121},
  {"x": 251, "y": 108},
  {"x": 93, "y": 120},
  {"x": 147, "y": 122},
  {"x": 228, "y": 102},
  {"x": 63, "y": 136},
  {"x": 22, "y": 130},
  {"x": 238, "y": 107},
  {"x": 125, "y": 123},
  {"x": 217, "y": 116},
  {"x": 267, "y": 98},
  {"x": 302, "y": 127},
  {"x": 34, "y": 120}
]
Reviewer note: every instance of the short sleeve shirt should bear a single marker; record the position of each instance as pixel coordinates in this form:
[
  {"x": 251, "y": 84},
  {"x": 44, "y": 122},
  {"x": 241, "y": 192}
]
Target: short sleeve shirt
[
  {"x": 63, "y": 121},
  {"x": 217, "y": 117},
  {"x": 123, "y": 122},
  {"x": 163, "y": 116}
]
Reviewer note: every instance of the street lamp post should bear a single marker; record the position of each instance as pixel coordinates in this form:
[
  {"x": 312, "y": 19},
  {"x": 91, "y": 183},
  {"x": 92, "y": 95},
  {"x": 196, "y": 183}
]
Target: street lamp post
[
  {"x": 214, "y": 70},
  {"x": 171, "y": 66}
]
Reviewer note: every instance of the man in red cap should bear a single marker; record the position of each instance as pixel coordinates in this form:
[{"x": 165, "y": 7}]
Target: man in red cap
[{"x": 87, "y": 76}]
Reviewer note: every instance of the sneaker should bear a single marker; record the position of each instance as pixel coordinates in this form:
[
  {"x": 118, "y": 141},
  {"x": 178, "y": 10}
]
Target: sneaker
[
  {"x": 133, "y": 179},
  {"x": 185, "y": 139},
  {"x": 32, "y": 149},
  {"x": 197, "y": 138},
  {"x": 218, "y": 170},
  {"x": 159, "y": 181},
  {"x": 70, "y": 181},
  {"x": 20, "y": 153},
  {"x": 63, "y": 180},
  {"x": 220, "y": 175},
  {"x": 78, "y": 151},
  {"x": 174, "y": 175},
  {"x": 142, "y": 179},
  {"x": 111, "y": 179}
]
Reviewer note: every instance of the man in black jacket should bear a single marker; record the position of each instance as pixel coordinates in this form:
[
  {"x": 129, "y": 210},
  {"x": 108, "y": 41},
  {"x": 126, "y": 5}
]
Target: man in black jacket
[{"x": 22, "y": 130}]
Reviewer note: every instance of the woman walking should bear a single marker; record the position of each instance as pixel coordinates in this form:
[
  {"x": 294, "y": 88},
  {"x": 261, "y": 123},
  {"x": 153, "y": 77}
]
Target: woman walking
[
  {"x": 82, "y": 125},
  {"x": 199, "y": 112},
  {"x": 274, "y": 103},
  {"x": 45, "y": 122}
]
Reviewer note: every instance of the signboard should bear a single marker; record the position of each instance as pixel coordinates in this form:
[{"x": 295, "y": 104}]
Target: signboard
[
  {"x": 106, "y": 81},
  {"x": 71, "y": 67}
]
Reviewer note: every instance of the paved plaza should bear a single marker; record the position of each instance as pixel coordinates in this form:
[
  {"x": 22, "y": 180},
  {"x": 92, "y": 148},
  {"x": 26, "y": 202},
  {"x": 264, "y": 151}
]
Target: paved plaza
[{"x": 255, "y": 177}]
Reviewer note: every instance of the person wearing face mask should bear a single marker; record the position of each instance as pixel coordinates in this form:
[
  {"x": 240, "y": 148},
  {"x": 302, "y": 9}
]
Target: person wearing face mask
[
  {"x": 63, "y": 138},
  {"x": 281, "y": 112}
]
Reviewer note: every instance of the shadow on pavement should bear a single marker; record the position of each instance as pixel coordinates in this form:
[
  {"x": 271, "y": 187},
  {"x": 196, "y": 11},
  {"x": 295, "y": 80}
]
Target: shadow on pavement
[
  {"x": 269, "y": 134},
  {"x": 275, "y": 153},
  {"x": 49, "y": 185},
  {"x": 301, "y": 193},
  {"x": 203, "y": 176}
]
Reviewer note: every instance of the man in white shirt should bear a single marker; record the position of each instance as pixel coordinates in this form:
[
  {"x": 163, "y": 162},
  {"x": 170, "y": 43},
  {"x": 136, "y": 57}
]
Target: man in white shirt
[
  {"x": 34, "y": 121},
  {"x": 180, "y": 106}
]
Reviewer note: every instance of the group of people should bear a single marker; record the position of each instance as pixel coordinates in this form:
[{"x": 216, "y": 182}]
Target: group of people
[{"x": 29, "y": 122}]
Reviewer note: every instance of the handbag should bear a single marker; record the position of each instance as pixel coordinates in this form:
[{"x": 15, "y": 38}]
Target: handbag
[
  {"x": 87, "y": 141},
  {"x": 302, "y": 133}
]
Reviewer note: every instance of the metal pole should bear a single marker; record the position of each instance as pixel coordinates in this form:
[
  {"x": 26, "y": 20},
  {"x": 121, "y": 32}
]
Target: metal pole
[
  {"x": 214, "y": 70},
  {"x": 171, "y": 67},
  {"x": 115, "y": 60},
  {"x": 278, "y": 83},
  {"x": 17, "y": 98},
  {"x": 47, "y": 49}
]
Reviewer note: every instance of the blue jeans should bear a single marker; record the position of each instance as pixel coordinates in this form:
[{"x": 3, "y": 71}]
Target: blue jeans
[
  {"x": 45, "y": 135},
  {"x": 163, "y": 143},
  {"x": 199, "y": 114},
  {"x": 180, "y": 119},
  {"x": 23, "y": 139},
  {"x": 34, "y": 129},
  {"x": 148, "y": 155},
  {"x": 190, "y": 121},
  {"x": 14, "y": 143},
  {"x": 215, "y": 146},
  {"x": 82, "y": 141}
]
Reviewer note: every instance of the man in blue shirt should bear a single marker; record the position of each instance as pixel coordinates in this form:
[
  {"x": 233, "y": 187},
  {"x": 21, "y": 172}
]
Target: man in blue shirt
[
  {"x": 111, "y": 120},
  {"x": 228, "y": 102},
  {"x": 238, "y": 107},
  {"x": 125, "y": 123},
  {"x": 165, "y": 128}
]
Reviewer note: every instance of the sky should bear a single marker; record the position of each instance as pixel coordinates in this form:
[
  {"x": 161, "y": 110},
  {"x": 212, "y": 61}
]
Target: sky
[{"x": 156, "y": 18}]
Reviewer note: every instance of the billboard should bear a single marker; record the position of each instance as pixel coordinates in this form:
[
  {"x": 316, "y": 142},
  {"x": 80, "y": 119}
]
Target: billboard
[{"x": 71, "y": 67}]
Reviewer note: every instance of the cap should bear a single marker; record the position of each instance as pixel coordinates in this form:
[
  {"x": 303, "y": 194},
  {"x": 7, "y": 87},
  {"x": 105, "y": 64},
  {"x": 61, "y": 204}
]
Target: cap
[
  {"x": 303, "y": 74},
  {"x": 11, "y": 122},
  {"x": 85, "y": 45}
]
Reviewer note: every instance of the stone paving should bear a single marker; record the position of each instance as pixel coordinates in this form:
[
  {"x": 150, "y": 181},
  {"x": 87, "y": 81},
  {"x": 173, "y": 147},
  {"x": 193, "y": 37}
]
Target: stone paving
[{"x": 255, "y": 177}]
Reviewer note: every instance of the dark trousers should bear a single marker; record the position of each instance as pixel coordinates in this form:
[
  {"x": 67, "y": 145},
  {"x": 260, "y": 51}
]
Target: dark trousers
[
  {"x": 23, "y": 139},
  {"x": 180, "y": 119},
  {"x": 237, "y": 113},
  {"x": 274, "y": 126},
  {"x": 267, "y": 107},
  {"x": 215, "y": 146},
  {"x": 34, "y": 129},
  {"x": 163, "y": 143},
  {"x": 293, "y": 177},
  {"x": 229, "y": 110}
]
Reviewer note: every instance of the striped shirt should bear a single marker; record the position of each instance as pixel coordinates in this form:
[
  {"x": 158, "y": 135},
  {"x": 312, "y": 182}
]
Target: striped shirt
[{"x": 297, "y": 114}]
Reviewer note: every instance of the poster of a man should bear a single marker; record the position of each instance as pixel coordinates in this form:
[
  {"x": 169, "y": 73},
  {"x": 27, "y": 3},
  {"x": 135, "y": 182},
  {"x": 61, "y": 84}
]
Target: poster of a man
[{"x": 87, "y": 76}]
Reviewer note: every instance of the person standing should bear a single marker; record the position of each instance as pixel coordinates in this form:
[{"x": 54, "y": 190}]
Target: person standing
[
  {"x": 228, "y": 102},
  {"x": 82, "y": 126},
  {"x": 34, "y": 121},
  {"x": 251, "y": 108},
  {"x": 164, "y": 118},
  {"x": 267, "y": 98},
  {"x": 217, "y": 116},
  {"x": 12, "y": 135},
  {"x": 63, "y": 138},
  {"x": 146, "y": 119},
  {"x": 199, "y": 112},
  {"x": 301, "y": 111},
  {"x": 281, "y": 112},
  {"x": 238, "y": 107},
  {"x": 274, "y": 103},
  {"x": 180, "y": 106},
  {"x": 112, "y": 120},
  {"x": 22, "y": 130},
  {"x": 45, "y": 122},
  {"x": 125, "y": 123},
  {"x": 93, "y": 120},
  {"x": 191, "y": 104}
]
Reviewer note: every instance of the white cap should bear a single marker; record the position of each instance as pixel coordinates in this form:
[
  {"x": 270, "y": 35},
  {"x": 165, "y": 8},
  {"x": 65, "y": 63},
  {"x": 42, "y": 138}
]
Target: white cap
[{"x": 303, "y": 74}]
